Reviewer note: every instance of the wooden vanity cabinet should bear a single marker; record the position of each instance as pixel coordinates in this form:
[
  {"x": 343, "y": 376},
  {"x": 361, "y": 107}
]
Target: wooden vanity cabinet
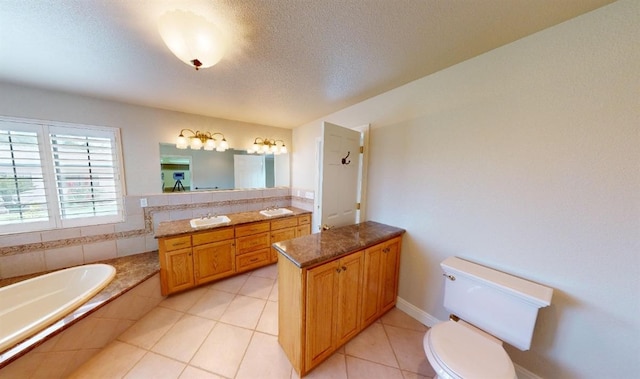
[
  {"x": 380, "y": 280},
  {"x": 325, "y": 306},
  {"x": 214, "y": 260},
  {"x": 176, "y": 271},
  {"x": 283, "y": 229},
  {"x": 203, "y": 256},
  {"x": 176, "y": 264},
  {"x": 187, "y": 261},
  {"x": 304, "y": 225},
  {"x": 288, "y": 228},
  {"x": 389, "y": 277},
  {"x": 332, "y": 307},
  {"x": 253, "y": 246}
]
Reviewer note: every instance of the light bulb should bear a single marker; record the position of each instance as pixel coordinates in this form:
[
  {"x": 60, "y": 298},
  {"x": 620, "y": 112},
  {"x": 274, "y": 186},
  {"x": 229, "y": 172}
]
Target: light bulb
[
  {"x": 181, "y": 142},
  {"x": 210, "y": 145},
  {"x": 196, "y": 144}
]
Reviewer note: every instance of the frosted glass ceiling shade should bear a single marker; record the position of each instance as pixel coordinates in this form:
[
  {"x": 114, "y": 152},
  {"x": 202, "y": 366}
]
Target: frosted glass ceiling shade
[{"x": 194, "y": 40}]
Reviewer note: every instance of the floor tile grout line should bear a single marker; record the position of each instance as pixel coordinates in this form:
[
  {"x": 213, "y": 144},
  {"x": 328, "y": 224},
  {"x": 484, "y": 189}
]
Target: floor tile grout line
[
  {"x": 371, "y": 361},
  {"x": 244, "y": 355}
]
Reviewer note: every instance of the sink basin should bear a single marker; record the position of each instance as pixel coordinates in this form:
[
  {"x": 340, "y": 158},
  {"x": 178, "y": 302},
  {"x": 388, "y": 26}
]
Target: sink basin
[
  {"x": 211, "y": 221},
  {"x": 276, "y": 212}
]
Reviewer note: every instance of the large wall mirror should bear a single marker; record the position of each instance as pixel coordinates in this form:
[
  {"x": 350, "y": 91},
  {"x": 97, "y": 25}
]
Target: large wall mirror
[{"x": 201, "y": 170}]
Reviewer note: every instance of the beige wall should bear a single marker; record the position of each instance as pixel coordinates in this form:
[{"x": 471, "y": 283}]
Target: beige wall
[
  {"x": 525, "y": 159},
  {"x": 142, "y": 128}
]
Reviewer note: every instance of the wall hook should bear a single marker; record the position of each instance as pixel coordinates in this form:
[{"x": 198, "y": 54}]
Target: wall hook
[{"x": 344, "y": 160}]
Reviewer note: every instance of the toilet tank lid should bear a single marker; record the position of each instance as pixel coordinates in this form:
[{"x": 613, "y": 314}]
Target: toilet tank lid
[{"x": 534, "y": 292}]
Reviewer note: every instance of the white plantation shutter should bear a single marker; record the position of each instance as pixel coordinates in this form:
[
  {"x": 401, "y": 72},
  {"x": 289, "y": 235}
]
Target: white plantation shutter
[
  {"x": 87, "y": 175},
  {"x": 58, "y": 176},
  {"x": 23, "y": 188}
]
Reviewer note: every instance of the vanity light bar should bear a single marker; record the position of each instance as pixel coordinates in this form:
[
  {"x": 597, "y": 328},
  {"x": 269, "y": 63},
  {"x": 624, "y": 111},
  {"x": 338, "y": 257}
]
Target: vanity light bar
[
  {"x": 200, "y": 139},
  {"x": 267, "y": 146}
]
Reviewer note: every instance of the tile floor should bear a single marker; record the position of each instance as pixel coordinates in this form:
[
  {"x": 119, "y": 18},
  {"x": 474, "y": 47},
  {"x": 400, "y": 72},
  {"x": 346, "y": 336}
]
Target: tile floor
[{"x": 229, "y": 330}]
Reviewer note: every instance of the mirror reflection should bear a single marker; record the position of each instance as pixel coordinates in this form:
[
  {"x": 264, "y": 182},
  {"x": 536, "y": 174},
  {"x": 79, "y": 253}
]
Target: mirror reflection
[{"x": 200, "y": 170}]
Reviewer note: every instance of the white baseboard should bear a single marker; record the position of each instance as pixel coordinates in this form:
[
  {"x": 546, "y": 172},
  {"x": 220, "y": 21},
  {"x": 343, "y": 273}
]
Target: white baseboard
[
  {"x": 416, "y": 312},
  {"x": 430, "y": 321}
]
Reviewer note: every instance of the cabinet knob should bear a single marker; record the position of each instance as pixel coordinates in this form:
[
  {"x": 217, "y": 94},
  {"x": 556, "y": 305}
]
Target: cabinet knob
[
  {"x": 344, "y": 268},
  {"x": 338, "y": 270}
]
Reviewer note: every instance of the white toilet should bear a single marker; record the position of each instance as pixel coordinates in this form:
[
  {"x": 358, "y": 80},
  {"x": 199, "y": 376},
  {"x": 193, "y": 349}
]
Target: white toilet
[{"x": 487, "y": 307}]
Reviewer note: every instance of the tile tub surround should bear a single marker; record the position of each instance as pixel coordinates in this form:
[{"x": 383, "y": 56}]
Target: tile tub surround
[
  {"x": 173, "y": 228},
  {"x": 330, "y": 244},
  {"x": 34, "y": 252},
  {"x": 130, "y": 272}
]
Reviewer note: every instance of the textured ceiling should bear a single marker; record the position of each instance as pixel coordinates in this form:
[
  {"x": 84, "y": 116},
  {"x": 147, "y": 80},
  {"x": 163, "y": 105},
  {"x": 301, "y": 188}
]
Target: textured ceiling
[{"x": 290, "y": 61}]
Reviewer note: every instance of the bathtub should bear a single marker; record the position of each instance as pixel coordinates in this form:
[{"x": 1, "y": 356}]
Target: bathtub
[{"x": 31, "y": 305}]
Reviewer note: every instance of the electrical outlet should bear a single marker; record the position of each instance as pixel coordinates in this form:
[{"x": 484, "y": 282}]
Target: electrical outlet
[
  {"x": 143, "y": 202},
  {"x": 308, "y": 195}
]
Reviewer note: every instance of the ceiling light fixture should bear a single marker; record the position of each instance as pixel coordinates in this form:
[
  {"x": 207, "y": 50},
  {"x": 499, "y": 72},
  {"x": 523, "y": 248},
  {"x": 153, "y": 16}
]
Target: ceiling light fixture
[
  {"x": 192, "y": 38},
  {"x": 201, "y": 139},
  {"x": 267, "y": 146}
]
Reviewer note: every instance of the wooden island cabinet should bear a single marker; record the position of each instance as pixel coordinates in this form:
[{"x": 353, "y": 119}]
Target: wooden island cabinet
[
  {"x": 331, "y": 286},
  {"x": 190, "y": 257}
]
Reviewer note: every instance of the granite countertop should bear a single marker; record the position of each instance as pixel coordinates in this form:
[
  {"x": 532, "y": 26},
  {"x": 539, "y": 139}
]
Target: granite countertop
[
  {"x": 321, "y": 247},
  {"x": 177, "y": 227}
]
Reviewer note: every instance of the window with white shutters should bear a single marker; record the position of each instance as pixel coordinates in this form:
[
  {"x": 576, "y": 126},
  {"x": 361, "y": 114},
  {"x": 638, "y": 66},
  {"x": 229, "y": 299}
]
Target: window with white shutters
[{"x": 56, "y": 176}]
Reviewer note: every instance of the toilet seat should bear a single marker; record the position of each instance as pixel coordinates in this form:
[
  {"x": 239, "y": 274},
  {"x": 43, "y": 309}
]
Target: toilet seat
[{"x": 464, "y": 353}]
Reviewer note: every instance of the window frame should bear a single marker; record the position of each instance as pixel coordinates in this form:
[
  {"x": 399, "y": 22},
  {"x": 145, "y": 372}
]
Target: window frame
[{"x": 44, "y": 129}]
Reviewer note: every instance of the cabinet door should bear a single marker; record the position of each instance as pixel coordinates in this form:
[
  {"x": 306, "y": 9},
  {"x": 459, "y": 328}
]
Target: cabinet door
[
  {"x": 179, "y": 270},
  {"x": 214, "y": 260},
  {"x": 371, "y": 285},
  {"x": 390, "y": 265},
  {"x": 303, "y": 230},
  {"x": 281, "y": 235},
  {"x": 321, "y": 303},
  {"x": 348, "y": 297}
]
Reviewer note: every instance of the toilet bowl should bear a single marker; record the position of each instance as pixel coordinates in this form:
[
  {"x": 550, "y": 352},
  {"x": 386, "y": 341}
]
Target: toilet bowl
[
  {"x": 488, "y": 307},
  {"x": 457, "y": 351}
]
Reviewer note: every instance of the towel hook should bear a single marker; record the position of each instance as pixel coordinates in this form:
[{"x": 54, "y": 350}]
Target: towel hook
[{"x": 344, "y": 160}]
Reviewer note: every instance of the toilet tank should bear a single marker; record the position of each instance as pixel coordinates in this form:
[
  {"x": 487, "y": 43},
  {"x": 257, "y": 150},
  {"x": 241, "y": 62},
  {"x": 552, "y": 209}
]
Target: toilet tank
[{"x": 502, "y": 305}]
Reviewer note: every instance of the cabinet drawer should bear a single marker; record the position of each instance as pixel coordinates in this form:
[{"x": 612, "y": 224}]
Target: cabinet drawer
[
  {"x": 284, "y": 223},
  {"x": 283, "y": 235},
  {"x": 304, "y": 219},
  {"x": 252, "y": 260},
  {"x": 252, "y": 243},
  {"x": 171, "y": 244},
  {"x": 246, "y": 230},
  {"x": 213, "y": 236}
]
